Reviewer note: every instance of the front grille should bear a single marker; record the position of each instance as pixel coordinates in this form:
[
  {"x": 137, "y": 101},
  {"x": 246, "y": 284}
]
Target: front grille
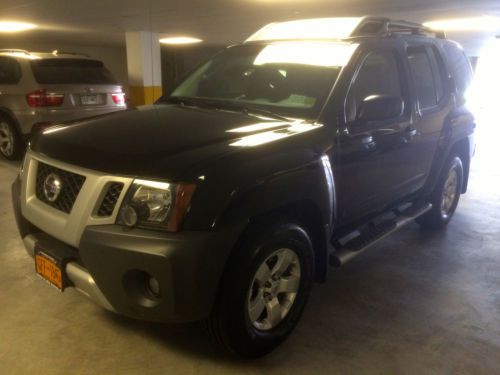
[
  {"x": 70, "y": 183},
  {"x": 110, "y": 198}
]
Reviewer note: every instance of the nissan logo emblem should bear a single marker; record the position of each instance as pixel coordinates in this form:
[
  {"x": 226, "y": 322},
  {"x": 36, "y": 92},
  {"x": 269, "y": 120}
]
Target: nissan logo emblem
[{"x": 52, "y": 187}]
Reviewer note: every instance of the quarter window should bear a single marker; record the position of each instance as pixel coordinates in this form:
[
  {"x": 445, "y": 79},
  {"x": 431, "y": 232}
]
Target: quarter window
[
  {"x": 379, "y": 75},
  {"x": 10, "y": 71},
  {"x": 459, "y": 66}
]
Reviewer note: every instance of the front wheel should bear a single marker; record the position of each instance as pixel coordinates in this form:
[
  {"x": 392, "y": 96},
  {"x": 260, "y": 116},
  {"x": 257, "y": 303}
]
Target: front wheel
[
  {"x": 446, "y": 196},
  {"x": 264, "y": 290}
]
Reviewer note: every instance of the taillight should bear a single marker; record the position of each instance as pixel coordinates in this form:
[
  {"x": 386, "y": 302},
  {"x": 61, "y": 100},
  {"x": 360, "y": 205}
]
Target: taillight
[
  {"x": 41, "y": 98},
  {"x": 118, "y": 98}
]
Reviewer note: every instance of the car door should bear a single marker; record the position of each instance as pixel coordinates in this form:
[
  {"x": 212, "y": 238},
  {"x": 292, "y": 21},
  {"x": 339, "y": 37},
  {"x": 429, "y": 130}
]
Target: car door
[
  {"x": 434, "y": 102},
  {"x": 373, "y": 161}
]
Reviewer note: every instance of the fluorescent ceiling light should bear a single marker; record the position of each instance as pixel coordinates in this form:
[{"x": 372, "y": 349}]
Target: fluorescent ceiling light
[
  {"x": 316, "y": 28},
  {"x": 180, "y": 40},
  {"x": 485, "y": 23},
  {"x": 14, "y": 27}
]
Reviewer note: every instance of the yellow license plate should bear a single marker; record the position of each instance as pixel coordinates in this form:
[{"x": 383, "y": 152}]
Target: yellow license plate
[{"x": 49, "y": 270}]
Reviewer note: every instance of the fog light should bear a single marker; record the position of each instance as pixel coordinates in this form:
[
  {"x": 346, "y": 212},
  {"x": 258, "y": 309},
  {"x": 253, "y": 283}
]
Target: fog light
[
  {"x": 154, "y": 286},
  {"x": 129, "y": 216}
]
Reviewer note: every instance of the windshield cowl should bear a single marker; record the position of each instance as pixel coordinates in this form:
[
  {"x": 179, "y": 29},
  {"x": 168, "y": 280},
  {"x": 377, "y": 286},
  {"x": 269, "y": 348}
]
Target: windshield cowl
[{"x": 222, "y": 105}]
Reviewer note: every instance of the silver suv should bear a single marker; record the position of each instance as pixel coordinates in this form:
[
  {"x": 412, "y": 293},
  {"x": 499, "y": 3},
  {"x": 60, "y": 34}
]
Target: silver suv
[{"x": 40, "y": 89}]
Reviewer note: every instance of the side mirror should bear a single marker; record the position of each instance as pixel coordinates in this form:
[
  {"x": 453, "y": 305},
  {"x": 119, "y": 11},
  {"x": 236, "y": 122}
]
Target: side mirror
[{"x": 380, "y": 108}]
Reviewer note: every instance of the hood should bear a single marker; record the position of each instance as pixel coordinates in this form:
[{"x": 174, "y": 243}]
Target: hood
[{"x": 160, "y": 140}]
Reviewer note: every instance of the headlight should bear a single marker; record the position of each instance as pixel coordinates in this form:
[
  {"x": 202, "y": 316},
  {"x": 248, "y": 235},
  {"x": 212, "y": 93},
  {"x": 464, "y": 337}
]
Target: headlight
[{"x": 154, "y": 204}]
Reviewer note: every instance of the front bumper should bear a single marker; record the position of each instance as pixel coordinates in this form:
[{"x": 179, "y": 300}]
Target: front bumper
[{"x": 111, "y": 263}]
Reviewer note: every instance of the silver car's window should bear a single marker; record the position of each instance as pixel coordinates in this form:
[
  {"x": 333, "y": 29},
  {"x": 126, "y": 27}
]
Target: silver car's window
[{"x": 10, "y": 71}]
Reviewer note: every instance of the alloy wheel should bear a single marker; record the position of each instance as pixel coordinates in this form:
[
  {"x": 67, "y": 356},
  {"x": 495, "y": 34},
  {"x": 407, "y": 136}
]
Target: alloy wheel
[
  {"x": 6, "y": 139},
  {"x": 449, "y": 193},
  {"x": 274, "y": 289}
]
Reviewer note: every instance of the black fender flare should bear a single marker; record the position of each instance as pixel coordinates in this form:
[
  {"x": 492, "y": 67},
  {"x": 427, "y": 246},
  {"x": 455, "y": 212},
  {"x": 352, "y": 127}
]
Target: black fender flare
[
  {"x": 306, "y": 193},
  {"x": 456, "y": 136}
]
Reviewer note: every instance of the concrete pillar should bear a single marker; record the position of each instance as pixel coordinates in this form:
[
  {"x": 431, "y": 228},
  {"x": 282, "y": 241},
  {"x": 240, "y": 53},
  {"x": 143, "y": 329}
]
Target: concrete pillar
[{"x": 144, "y": 67}]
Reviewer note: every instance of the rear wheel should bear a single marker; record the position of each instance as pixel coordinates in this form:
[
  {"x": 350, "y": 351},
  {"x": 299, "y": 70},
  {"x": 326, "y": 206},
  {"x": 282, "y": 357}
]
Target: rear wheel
[
  {"x": 11, "y": 143},
  {"x": 446, "y": 196},
  {"x": 264, "y": 291}
]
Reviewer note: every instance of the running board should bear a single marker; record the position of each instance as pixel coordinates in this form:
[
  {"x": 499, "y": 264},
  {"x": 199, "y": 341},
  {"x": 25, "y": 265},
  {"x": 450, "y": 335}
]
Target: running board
[{"x": 372, "y": 233}]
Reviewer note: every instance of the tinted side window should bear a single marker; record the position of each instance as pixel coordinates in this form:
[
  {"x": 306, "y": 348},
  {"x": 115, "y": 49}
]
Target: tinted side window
[
  {"x": 459, "y": 66},
  {"x": 437, "y": 70},
  {"x": 10, "y": 71},
  {"x": 421, "y": 67},
  {"x": 379, "y": 75}
]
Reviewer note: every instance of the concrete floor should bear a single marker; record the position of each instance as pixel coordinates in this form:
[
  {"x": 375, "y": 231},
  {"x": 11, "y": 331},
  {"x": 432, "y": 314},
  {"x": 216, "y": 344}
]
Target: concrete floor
[{"x": 417, "y": 303}]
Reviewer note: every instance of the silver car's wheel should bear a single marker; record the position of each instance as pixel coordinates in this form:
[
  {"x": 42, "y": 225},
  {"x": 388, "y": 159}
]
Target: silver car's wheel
[
  {"x": 274, "y": 289},
  {"x": 450, "y": 191},
  {"x": 7, "y": 141}
]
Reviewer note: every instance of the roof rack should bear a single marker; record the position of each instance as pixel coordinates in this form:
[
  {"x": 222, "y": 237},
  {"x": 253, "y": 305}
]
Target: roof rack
[
  {"x": 13, "y": 50},
  {"x": 57, "y": 52},
  {"x": 339, "y": 28},
  {"x": 378, "y": 26}
]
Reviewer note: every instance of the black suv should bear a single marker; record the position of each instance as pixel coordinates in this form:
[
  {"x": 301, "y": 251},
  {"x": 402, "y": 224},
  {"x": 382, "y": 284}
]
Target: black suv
[{"x": 227, "y": 199}]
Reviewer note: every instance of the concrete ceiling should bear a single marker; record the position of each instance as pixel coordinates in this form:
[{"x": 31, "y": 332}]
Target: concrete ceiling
[{"x": 103, "y": 22}]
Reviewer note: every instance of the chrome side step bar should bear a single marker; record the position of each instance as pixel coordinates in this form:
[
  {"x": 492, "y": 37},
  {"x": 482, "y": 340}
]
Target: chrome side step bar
[{"x": 371, "y": 234}]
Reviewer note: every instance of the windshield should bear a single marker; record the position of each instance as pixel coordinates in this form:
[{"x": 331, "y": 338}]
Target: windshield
[
  {"x": 71, "y": 71},
  {"x": 287, "y": 78}
]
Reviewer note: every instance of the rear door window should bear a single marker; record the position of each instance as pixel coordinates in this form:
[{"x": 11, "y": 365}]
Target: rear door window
[
  {"x": 429, "y": 89},
  {"x": 71, "y": 71},
  {"x": 10, "y": 71},
  {"x": 437, "y": 72}
]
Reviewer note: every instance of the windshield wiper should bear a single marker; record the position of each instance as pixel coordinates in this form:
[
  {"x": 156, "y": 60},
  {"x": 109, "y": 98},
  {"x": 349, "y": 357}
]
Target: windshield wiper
[
  {"x": 251, "y": 110},
  {"x": 179, "y": 100},
  {"x": 222, "y": 105}
]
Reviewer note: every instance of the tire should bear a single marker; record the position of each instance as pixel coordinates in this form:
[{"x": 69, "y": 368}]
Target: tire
[
  {"x": 11, "y": 142},
  {"x": 235, "y": 322},
  {"x": 446, "y": 196}
]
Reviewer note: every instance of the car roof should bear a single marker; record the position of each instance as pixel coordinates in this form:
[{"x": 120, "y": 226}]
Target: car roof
[{"x": 341, "y": 29}]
